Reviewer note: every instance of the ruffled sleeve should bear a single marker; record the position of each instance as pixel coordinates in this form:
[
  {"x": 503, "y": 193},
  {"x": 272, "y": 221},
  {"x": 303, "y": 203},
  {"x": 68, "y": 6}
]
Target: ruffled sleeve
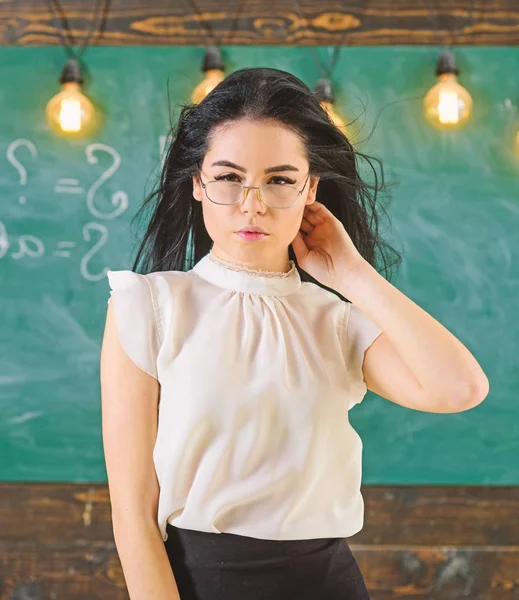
[
  {"x": 137, "y": 318},
  {"x": 360, "y": 332}
]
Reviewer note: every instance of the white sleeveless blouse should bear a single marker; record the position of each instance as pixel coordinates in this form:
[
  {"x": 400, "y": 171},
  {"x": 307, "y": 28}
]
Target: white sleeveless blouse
[{"x": 257, "y": 373}]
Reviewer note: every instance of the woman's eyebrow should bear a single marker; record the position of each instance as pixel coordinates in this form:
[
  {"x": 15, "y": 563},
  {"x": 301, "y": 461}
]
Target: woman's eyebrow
[{"x": 228, "y": 163}]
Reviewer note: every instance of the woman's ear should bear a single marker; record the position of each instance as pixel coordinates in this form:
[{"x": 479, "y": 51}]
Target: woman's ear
[
  {"x": 312, "y": 190},
  {"x": 197, "y": 188}
]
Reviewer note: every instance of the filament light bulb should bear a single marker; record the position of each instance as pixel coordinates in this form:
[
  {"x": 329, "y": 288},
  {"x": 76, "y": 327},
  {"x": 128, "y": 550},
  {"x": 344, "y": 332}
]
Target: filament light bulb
[
  {"x": 324, "y": 93},
  {"x": 447, "y": 104},
  {"x": 70, "y": 111},
  {"x": 209, "y": 82},
  {"x": 334, "y": 117},
  {"x": 213, "y": 68}
]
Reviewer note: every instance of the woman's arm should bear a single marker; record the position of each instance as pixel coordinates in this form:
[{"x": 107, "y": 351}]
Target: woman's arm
[
  {"x": 129, "y": 422},
  {"x": 416, "y": 361}
]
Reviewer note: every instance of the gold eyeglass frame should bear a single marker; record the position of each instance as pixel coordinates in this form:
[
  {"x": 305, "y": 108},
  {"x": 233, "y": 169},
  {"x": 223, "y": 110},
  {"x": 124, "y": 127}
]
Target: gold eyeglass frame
[{"x": 258, "y": 193}]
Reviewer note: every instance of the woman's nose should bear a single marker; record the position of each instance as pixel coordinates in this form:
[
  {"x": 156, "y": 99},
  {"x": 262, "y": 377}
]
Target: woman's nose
[{"x": 254, "y": 193}]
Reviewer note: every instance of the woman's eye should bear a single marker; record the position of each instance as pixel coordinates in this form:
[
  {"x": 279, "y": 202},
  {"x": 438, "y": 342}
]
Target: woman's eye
[
  {"x": 282, "y": 180},
  {"x": 234, "y": 177},
  {"x": 227, "y": 177}
]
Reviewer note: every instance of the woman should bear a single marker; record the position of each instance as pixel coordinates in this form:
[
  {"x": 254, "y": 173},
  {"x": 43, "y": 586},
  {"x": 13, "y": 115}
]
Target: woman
[{"x": 232, "y": 466}]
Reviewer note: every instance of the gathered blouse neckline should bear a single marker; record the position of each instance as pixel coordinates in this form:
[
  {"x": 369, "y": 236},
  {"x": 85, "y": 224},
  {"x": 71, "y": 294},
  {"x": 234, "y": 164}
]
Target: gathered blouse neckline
[{"x": 239, "y": 278}]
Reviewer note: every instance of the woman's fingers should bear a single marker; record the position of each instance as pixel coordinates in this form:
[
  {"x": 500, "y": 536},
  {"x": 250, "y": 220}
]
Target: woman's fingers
[
  {"x": 306, "y": 226},
  {"x": 314, "y": 215}
]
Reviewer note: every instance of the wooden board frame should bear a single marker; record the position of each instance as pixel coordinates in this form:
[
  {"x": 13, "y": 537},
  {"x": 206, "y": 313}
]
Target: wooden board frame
[
  {"x": 259, "y": 22},
  {"x": 430, "y": 542}
]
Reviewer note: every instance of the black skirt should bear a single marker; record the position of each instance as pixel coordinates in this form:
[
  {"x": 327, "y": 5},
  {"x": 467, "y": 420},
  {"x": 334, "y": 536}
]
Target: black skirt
[{"x": 218, "y": 566}]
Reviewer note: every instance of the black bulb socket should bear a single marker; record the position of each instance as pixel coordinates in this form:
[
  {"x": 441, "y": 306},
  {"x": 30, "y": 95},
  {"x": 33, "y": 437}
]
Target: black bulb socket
[
  {"x": 323, "y": 91},
  {"x": 212, "y": 60},
  {"x": 447, "y": 64},
  {"x": 71, "y": 72}
]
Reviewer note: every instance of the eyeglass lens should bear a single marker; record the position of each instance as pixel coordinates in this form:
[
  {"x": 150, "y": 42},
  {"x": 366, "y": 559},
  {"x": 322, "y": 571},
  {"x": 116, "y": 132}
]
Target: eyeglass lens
[{"x": 231, "y": 192}]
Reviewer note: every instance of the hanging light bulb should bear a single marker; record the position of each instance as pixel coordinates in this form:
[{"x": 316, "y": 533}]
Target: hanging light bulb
[
  {"x": 324, "y": 93},
  {"x": 70, "y": 111},
  {"x": 213, "y": 68},
  {"x": 447, "y": 104}
]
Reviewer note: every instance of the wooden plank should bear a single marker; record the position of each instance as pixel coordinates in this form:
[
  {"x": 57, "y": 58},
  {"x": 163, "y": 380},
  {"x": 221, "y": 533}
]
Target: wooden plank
[
  {"x": 439, "y": 572},
  {"x": 259, "y": 22},
  {"x": 418, "y": 542}
]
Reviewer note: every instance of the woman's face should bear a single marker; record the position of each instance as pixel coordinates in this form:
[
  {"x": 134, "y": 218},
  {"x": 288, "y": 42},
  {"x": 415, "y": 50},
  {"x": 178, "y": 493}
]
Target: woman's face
[{"x": 249, "y": 148}]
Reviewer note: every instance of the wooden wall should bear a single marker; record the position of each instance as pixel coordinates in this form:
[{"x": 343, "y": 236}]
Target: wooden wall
[
  {"x": 418, "y": 542},
  {"x": 294, "y": 22}
]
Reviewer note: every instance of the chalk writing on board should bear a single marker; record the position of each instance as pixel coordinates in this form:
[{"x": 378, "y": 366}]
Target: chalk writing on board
[
  {"x": 119, "y": 198},
  {"x": 69, "y": 186},
  {"x": 29, "y": 245},
  {"x": 103, "y": 231},
  {"x": 64, "y": 253},
  {"x": 22, "y": 171},
  {"x": 33, "y": 247}
]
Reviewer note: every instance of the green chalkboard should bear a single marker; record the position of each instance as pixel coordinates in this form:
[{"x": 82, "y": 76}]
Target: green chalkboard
[{"x": 66, "y": 207}]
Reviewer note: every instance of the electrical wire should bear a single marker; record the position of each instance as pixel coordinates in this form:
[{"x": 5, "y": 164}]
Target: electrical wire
[
  {"x": 65, "y": 32},
  {"x": 326, "y": 73},
  {"x": 210, "y": 30},
  {"x": 452, "y": 37}
]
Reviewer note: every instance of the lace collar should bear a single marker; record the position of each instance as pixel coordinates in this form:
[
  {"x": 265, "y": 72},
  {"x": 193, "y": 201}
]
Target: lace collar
[{"x": 239, "y": 278}]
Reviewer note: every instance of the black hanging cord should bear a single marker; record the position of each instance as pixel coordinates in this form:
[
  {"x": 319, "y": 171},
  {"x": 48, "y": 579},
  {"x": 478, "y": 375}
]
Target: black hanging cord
[
  {"x": 447, "y": 61},
  {"x": 66, "y": 34},
  {"x": 211, "y": 34},
  {"x": 326, "y": 72},
  {"x": 450, "y": 30}
]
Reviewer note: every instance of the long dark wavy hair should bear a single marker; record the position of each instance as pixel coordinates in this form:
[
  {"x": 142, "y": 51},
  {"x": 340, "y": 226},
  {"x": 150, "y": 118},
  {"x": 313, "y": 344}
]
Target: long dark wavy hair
[{"x": 175, "y": 236}]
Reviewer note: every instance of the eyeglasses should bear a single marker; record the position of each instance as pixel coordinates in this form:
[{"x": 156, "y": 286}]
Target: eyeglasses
[{"x": 273, "y": 195}]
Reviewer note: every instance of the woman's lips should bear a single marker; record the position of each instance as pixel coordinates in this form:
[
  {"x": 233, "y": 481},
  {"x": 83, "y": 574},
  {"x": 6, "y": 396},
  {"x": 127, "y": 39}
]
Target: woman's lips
[{"x": 251, "y": 236}]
